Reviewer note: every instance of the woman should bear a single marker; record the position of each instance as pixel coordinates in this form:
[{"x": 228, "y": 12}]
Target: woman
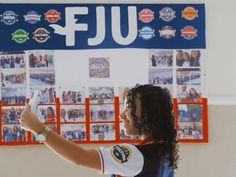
[
  {"x": 193, "y": 95},
  {"x": 148, "y": 113}
]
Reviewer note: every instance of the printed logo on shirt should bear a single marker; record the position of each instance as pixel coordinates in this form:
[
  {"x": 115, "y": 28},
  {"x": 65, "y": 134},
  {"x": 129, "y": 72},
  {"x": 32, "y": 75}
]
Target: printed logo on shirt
[
  {"x": 121, "y": 153},
  {"x": 189, "y": 13},
  {"x": 9, "y": 17}
]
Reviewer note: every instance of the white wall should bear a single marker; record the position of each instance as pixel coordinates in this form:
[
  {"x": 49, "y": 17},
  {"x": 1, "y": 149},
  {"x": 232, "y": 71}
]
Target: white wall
[{"x": 214, "y": 159}]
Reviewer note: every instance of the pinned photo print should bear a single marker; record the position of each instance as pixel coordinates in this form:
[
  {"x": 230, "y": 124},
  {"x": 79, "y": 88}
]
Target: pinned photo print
[
  {"x": 15, "y": 95},
  {"x": 188, "y": 58},
  {"x": 190, "y": 130},
  {"x": 189, "y": 93},
  {"x": 161, "y": 58},
  {"x": 73, "y": 132},
  {"x": 11, "y": 61},
  {"x": 101, "y": 95},
  {"x": 41, "y": 59},
  {"x": 190, "y": 76},
  {"x": 42, "y": 77},
  {"x": 14, "y": 133},
  {"x": 101, "y": 132},
  {"x": 13, "y": 78},
  {"x": 72, "y": 113},
  {"x": 99, "y": 67},
  {"x": 189, "y": 113},
  {"x": 47, "y": 113},
  {"x": 11, "y": 114},
  {"x": 101, "y": 113},
  {"x": 47, "y": 94},
  {"x": 161, "y": 76},
  {"x": 71, "y": 95}
]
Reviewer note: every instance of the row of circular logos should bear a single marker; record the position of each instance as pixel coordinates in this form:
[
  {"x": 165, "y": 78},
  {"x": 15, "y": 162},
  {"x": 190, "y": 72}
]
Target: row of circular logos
[
  {"x": 167, "y": 14},
  {"x": 9, "y": 17}
]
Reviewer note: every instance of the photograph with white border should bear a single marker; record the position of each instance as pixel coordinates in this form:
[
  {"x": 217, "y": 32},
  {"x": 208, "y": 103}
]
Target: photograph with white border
[{"x": 72, "y": 113}]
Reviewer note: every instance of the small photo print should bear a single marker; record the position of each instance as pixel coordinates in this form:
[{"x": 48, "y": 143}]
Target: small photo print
[
  {"x": 122, "y": 91},
  {"x": 71, "y": 95},
  {"x": 73, "y": 132},
  {"x": 48, "y": 94},
  {"x": 42, "y": 77},
  {"x": 72, "y": 113},
  {"x": 189, "y": 113},
  {"x": 101, "y": 132},
  {"x": 12, "y": 61},
  {"x": 101, "y": 113},
  {"x": 13, "y": 133},
  {"x": 189, "y": 93},
  {"x": 13, "y": 78},
  {"x": 161, "y": 58},
  {"x": 101, "y": 95},
  {"x": 190, "y": 130},
  {"x": 11, "y": 114},
  {"x": 15, "y": 95},
  {"x": 41, "y": 59},
  {"x": 161, "y": 76},
  {"x": 99, "y": 67},
  {"x": 47, "y": 113},
  {"x": 124, "y": 136},
  {"x": 53, "y": 127},
  {"x": 188, "y": 58},
  {"x": 190, "y": 76}
]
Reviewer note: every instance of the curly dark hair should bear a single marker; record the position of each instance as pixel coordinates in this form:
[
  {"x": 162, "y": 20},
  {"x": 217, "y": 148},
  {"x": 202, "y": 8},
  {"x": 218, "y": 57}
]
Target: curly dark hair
[{"x": 156, "y": 120}]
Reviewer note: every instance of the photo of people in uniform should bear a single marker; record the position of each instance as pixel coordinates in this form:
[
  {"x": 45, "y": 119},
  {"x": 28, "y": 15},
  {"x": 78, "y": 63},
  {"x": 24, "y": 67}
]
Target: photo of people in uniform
[
  {"x": 16, "y": 95},
  {"x": 11, "y": 114},
  {"x": 191, "y": 76},
  {"x": 189, "y": 93},
  {"x": 189, "y": 113},
  {"x": 160, "y": 76},
  {"x": 42, "y": 77},
  {"x": 72, "y": 113},
  {"x": 104, "y": 112},
  {"x": 47, "y": 114},
  {"x": 101, "y": 132},
  {"x": 101, "y": 95},
  {"x": 10, "y": 61},
  {"x": 160, "y": 58},
  {"x": 14, "y": 133},
  {"x": 73, "y": 132},
  {"x": 71, "y": 95},
  {"x": 13, "y": 78},
  {"x": 190, "y": 130},
  {"x": 41, "y": 59}
]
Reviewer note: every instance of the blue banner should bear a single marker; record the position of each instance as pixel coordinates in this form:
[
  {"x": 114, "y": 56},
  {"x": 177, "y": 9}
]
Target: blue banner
[{"x": 95, "y": 26}]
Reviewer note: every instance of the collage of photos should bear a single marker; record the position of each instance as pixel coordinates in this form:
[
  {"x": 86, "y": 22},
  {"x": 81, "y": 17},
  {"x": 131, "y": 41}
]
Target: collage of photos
[
  {"x": 102, "y": 132},
  {"x": 72, "y": 113}
]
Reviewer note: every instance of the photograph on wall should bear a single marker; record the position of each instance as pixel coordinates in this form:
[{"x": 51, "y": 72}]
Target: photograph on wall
[
  {"x": 190, "y": 130},
  {"x": 41, "y": 59},
  {"x": 12, "y": 60},
  {"x": 73, "y": 132},
  {"x": 160, "y": 58},
  {"x": 72, "y": 113},
  {"x": 47, "y": 94},
  {"x": 71, "y": 95},
  {"x": 16, "y": 95},
  {"x": 189, "y": 93},
  {"x": 53, "y": 127},
  {"x": 188, "y": 58},
  {"x": 101, "y": 95},
  {"x": 99, "y": 67},
  {"x": 13, "y": 78},
  {"x": 100, "y": 113},
  {"x": 14, "y": 133},
  {"x": 188, "y": 76},
  {"x": 189, "y": 113},
  {"x": 161, "y": 76},
  {"x": 101, "y": 132},
  {"x": 42, "y": 77},
  {"x": 11, "y": 114},
  {"x": 47, "y": 113}
]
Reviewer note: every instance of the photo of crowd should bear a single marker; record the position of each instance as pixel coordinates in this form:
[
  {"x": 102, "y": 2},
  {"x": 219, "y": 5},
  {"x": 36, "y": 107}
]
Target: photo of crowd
[
  {"x": 103, "y": 112},
  {"x": 41, "y": 59},
  {"x": 72, "y": 113},
  {"x": 161, "y": 76},
  {"x": 71, "y": 95},
  {"x": 11, "y": 114},
  {"x": 188, "y": 76},
  {"x": 47, "y": 113},
  {"x": 73, "y": 132},
  {"x": 188, "y": 58},
  {"x": 100, "y": 132},
  {"x": 13, "y": 133},
  {"x": 160, "y": 58},
  {"x": 99, "y": 68},
  {"x": 47, "y": 96},
  {"x": 42, "y": 77},
  {"x": 11, "y": 78},
  {"x": 101, "y": 95},
  {"x": 189, "y": 130},
  {"x": 189, "y": 113},
  {"x": 189, "y": 93},
  {"x": 12, "y": 61},
  {"x": 16, "y": 95}
]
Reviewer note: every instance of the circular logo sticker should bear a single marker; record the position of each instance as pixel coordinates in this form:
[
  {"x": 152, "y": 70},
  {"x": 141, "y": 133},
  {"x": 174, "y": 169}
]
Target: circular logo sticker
[
  {"x": 52, "y": 16},
  {"x": 32, "y": 17},
  {"x": 167, "y": 32},
  {"x": 146, "y": 15},
  {"x": 121, "y": 153},
  {"x": 9, "y": 17},
  {"x": 41, "y": 35},
  {"x": 189, "y": 13},
  {"x": 167, "y": 14},
  {"x": 189, "y": 32},
  {"x": 20, "y": 36},
  {"x": 146, "y": 33}
]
